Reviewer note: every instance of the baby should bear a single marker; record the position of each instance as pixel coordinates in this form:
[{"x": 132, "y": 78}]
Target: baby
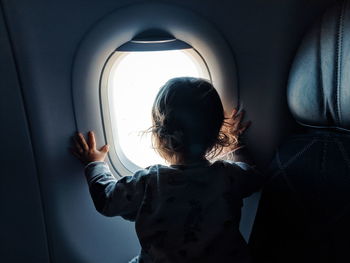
[{"x": 190, "y": 210}]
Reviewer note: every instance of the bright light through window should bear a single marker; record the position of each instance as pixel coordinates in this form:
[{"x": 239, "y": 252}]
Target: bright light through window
[{"x": 133, "y": 82}]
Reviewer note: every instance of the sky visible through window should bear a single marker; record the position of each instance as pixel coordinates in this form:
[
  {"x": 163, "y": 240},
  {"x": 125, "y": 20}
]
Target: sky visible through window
[{"x": 135, "y": 81}]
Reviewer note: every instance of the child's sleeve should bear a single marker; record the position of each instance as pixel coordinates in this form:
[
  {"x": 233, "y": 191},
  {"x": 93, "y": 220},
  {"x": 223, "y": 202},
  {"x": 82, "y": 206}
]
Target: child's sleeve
[
  {"x": 114, "y": 197},
  {"x": 248, "y": 179}
]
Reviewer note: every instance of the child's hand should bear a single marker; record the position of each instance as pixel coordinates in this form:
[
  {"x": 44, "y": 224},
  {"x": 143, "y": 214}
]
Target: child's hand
[
  {"x": 234, "y": 127},
  {"x": 86, "y": 152},
  {"x": 234, "y": 124}
]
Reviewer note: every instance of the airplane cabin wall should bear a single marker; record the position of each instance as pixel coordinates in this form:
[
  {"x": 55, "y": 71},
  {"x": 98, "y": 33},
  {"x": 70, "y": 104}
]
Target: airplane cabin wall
[
  {"x": 46, "y": 211},
  {"x": 22, "y": 216}
]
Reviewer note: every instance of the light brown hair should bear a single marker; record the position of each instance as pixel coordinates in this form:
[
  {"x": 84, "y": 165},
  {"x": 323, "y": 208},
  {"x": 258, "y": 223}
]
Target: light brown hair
[{"x": 188, "y": 117}]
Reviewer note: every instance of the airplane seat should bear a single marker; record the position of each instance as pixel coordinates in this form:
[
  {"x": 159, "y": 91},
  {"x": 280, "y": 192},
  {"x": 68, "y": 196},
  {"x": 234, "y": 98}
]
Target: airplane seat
[{"x": 304, "y": 211}]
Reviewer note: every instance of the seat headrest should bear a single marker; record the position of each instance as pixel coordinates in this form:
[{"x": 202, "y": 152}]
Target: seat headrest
[{"x": 319, "y": 81}]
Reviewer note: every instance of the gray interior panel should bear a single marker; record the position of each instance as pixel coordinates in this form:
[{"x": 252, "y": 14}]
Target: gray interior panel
[
  {"x": 45, "y": 204},
  {"x": 23, "y": 235}
]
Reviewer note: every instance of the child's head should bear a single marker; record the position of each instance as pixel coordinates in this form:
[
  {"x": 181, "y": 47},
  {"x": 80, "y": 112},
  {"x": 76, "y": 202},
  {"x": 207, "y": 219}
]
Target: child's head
[{"x": 187, "y": 117}]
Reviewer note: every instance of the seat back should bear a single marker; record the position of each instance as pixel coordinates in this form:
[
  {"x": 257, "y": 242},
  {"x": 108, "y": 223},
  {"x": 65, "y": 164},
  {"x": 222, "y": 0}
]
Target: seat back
[{"x": 304, "y": 211}]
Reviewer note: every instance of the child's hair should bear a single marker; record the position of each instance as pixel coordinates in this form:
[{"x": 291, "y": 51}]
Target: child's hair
[{"x": 187, "y": 117}]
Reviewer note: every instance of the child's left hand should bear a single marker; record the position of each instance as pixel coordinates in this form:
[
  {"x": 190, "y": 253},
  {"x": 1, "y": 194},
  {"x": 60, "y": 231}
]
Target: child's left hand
[{"x": 86, "y": 152}]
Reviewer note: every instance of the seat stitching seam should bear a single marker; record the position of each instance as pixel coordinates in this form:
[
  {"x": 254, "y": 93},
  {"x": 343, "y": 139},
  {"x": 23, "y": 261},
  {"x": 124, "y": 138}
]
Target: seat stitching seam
[
  {"x": 320, "y": 79},
  {"x": 339, "y": 60},
  {"x": 284, "y": 173},
  {"x": 297, "y": 155},
  {"x": 279, "y": 160},
  {"x": 287, "y": 181}
]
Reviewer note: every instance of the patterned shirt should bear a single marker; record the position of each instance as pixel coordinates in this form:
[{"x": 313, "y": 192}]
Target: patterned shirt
[{"x": 182, "y": 213}]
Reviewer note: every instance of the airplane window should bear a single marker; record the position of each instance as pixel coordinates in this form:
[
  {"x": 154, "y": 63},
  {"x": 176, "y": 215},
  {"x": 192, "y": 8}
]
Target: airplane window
[{"x": 133, "y": 78}]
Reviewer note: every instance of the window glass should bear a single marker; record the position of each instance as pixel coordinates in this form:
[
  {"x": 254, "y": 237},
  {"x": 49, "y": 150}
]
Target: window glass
[{"x": 133, "y": 82}]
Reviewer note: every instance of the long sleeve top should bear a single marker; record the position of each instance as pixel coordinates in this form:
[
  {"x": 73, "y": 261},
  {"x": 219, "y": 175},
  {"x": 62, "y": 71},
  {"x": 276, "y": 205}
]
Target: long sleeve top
[{"x": 182, "y": 213}]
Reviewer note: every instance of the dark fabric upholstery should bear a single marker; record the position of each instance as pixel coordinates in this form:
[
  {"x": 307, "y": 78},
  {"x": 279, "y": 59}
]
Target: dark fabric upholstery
[
  {"x": 319, "y": 83},
  {"x": 304, "y": 211}
]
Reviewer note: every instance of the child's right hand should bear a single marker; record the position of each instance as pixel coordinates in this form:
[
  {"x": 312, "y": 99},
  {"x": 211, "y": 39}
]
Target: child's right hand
[{"x": 86, "y": 152}]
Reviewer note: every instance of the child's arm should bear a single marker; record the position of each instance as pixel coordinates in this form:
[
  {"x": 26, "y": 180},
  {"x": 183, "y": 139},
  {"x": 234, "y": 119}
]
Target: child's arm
[
  {"x": 249, "y": 180},
  {"x": 111, "y": 197}
]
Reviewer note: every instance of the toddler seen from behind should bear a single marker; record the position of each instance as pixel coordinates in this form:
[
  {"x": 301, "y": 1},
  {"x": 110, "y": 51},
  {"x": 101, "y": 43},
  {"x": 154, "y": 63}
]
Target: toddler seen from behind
[{"x": 188, "y": 211}]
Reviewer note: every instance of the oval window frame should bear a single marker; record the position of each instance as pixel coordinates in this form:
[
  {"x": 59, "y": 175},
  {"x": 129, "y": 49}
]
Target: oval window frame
[
  {"x": 121, "y": 26},
  {"x": 116, "y": 154}
]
